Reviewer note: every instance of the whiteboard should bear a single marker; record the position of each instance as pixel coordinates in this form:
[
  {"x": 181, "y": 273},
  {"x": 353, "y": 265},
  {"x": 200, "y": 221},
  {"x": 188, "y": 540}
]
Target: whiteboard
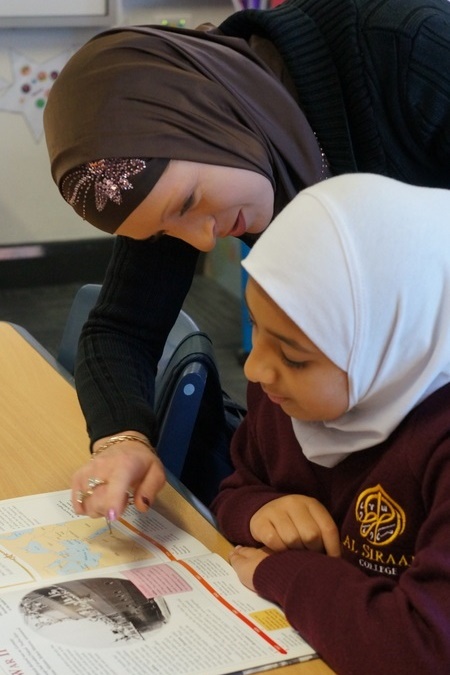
[{"x": 57, "y": 12}]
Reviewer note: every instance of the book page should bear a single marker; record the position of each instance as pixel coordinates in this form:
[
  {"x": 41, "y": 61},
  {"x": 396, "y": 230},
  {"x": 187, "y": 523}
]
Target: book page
[{"x": 74, "y": 597}]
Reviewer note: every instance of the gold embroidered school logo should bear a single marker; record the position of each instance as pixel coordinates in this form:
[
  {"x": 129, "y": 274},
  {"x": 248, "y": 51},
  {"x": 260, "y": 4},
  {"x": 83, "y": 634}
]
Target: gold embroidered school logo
[{"x": 382, "y": 519}]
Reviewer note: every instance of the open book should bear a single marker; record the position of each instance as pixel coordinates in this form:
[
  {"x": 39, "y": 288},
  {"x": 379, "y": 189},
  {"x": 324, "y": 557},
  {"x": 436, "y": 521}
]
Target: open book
[{"x": 146, "y": 598}]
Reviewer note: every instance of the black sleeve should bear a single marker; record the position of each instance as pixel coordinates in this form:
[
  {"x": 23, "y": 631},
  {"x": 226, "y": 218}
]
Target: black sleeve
[
  {"x": 412, "y": 87},
  {"x": 428, "y": 91},
  {"x": 145, "y": 286}
]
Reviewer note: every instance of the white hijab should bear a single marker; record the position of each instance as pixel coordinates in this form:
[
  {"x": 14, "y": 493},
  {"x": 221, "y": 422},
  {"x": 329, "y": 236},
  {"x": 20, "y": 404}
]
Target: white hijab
[{"x": 361, "y": 263}]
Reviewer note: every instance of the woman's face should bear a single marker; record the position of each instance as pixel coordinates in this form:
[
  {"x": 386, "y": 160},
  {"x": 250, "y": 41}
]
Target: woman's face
[
  {"x": 291, "y": 370},
  {"x": 199, "y": 203}
]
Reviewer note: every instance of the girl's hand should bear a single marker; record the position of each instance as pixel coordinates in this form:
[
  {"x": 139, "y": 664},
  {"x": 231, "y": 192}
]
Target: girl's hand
[
  {"x": 245, "y": 560},
  {"x": 126, "y": 468},
  {"x": 296, "y": 521}
]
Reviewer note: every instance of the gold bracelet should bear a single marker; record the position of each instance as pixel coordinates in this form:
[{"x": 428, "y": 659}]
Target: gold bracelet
[{"x": 120, "y": 439}]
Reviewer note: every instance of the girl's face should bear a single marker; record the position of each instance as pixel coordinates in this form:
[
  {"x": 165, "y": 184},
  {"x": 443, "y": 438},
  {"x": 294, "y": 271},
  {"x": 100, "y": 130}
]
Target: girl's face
[
  {"x": 290, "y": 368},
  {"x": 199, "y": 203}
]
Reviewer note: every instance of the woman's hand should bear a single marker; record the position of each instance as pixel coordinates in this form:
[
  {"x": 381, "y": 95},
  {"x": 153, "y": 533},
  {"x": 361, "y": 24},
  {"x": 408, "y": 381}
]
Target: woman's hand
[
  {"x": 128, "y": 467},
  {"x": 245, "y": 560},
  {"x": 296, "y": 521}
]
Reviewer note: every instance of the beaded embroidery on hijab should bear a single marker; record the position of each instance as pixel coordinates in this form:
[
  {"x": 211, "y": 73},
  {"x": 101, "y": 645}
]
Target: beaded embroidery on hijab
[{"x": 106, "y": 191}]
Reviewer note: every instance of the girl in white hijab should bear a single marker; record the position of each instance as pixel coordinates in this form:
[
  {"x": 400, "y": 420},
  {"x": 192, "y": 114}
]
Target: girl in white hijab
[
  {"x": 345, "y": 450},
  {"x": 365, "y": 273}
]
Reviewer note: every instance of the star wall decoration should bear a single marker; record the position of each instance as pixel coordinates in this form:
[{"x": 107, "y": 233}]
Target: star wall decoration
[{"x": 28, "y": 93}]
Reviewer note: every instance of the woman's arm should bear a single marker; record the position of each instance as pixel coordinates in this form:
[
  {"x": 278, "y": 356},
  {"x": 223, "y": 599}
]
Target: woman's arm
[{"x": 144, "y": 289}]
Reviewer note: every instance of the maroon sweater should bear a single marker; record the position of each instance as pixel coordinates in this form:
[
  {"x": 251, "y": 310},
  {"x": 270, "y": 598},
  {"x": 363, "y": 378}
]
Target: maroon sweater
[{"x": 384, "y": 606}]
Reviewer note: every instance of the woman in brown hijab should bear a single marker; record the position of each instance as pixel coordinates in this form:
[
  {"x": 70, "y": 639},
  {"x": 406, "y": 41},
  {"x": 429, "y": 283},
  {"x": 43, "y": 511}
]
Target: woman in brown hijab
[{"x": 171, "y": 138}]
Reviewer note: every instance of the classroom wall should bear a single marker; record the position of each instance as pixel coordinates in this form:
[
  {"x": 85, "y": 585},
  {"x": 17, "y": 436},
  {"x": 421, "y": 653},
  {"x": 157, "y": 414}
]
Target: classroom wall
[{"x": 31, "y": 209}]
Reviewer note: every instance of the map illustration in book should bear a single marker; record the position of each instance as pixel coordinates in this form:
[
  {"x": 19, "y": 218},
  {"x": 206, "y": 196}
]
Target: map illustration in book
[{"x": 147, "y": 597}]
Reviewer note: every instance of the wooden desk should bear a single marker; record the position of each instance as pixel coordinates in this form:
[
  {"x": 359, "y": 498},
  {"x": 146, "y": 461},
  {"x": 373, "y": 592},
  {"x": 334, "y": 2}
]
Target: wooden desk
[{"x": 43, "y": 441}]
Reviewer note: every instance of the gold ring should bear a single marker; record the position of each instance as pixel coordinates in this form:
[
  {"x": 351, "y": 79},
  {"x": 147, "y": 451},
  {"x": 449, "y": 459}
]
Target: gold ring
[{"x": 95, "y": 482}]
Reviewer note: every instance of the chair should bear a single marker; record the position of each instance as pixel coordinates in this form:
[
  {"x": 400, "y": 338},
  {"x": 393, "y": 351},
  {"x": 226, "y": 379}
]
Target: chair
[
  {"x": 195, "y": 417},
  {"x": 179, "y": 388},
  {"x": 185, "y": 371}
]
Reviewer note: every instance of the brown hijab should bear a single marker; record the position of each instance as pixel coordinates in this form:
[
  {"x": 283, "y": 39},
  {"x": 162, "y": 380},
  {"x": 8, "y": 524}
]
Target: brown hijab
[{"x": 150, "y": 92}]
